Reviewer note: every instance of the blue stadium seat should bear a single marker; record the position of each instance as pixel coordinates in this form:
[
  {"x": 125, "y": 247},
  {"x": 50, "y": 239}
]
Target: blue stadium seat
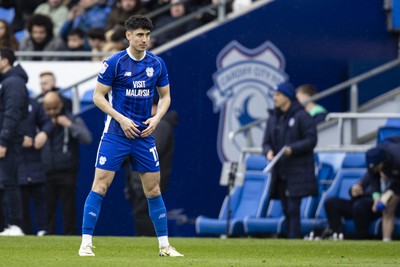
[
  {"x": 273, "y": 223},
  {"x": 387, "y": 131},
  {"x": 393, "y": 122},
  {"x": 256, "y": 163},
  {"x": 342, "y": 182},
  {"x": 354, "y": 160},
  {"x": 246, "y": 200},
  {"x": 19, "y": 35},
  {"x": 7, "y": 14},
  {"x": 335, "y": 159},
  {"x": 87, "y": 99}
]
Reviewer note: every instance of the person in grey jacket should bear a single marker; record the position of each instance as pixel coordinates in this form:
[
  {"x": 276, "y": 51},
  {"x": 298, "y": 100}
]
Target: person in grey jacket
[
  {"x": 60, "y": 157},
  {"x": 293, "y": 175},
  {"x": 41, "y": 38},
  {"x": 13, "y": 110}
]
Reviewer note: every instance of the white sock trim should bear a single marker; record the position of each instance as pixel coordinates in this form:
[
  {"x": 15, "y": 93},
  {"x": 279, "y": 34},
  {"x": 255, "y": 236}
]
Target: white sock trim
[{"x": 163, "y": 241}]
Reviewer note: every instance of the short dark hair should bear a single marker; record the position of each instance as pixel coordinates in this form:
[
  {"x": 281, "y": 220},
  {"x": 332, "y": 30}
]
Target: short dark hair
[
  {"x": 96, "y": 33},
  {"x": 7, "y": 53},
  {"x": 77, "y": 32},
  {"x": 308, "y": 89},
  {"x": 138, "y": 22}
]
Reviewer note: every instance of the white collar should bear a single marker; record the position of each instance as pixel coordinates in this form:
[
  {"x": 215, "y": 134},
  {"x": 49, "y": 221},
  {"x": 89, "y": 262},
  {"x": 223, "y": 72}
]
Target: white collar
[{"x": 132, "y": 57}]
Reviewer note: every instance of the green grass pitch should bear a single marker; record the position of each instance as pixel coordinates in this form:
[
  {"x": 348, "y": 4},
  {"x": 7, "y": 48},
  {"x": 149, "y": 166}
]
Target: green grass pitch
[{"x": 233, "y": 252}]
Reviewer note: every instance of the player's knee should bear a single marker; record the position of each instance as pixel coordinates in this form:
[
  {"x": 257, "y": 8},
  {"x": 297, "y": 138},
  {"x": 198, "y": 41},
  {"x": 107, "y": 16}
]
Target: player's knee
[
  {"x": 153, "y": 192},
  {"x": 100, "y": 188}
]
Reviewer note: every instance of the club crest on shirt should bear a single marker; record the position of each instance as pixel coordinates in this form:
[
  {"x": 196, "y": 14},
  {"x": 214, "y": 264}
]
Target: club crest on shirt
[
  {"x": 102, "y": 160},
  {"x": 243, "y": 88},
  {"x": 104, "y": 67},
  {"x": 150, "y": 72}
]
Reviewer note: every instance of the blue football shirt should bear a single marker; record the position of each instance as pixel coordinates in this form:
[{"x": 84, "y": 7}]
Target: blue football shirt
[{"x": 133, "y": 85}]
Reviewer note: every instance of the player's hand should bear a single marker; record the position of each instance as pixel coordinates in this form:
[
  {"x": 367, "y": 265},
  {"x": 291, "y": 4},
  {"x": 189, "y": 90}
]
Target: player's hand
[
  {"x": 129, "y": 127},
  {"x": 270, "y": 155},
  {"x": 151, "y": 126},
  {"x": 28, "y": 142},
  {"x": 3, "y": 151},
  {"x": 40, "y": 140},
  {"x": 357, "y": 190},
  {"x": 64, "y": 121}
]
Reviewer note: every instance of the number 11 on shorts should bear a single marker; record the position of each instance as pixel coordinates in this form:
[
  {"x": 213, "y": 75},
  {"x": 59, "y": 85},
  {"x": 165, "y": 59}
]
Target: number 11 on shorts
[{"x": 153, "y": 150}]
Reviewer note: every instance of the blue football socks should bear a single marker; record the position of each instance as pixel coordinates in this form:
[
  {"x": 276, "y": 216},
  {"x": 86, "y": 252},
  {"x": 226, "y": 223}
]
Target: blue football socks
[
  {"x": 158, "y": 214},
  {"x": 91, "y": 212}
]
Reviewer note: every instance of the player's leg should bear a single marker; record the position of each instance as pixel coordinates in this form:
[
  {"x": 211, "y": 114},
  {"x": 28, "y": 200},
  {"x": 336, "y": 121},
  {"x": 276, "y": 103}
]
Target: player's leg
[{"x": 158, "y": 212}]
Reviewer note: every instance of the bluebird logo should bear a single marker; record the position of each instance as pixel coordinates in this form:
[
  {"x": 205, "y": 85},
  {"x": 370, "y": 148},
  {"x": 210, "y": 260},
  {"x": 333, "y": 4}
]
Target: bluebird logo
[
  {"x": 242, "y": 93},
  {"x": 102, "y": 160},
  {"x": 150, "y": 72}
]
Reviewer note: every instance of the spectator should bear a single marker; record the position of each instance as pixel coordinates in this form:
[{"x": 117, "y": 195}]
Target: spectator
[
  {"x": 31, "y": 175},
  {"x": 123, "y": 10},
  {"x": 358, "y": 208},
  {"x": 7, "y": 38},
  {"x": 13, "y": 110},
  {"x": 212, "y": 13},
  {"x": 164, "y": 136},
  {"x": 41, "y": 38},
  {"x": 56, "y": 10},
  {"x": 293, "y": 175},
  {"x": 118, "y": 41},
  {"x": 76, "y": 43},
  {"x": 177, "y": 11},
  {"x": 48, "y": 84},
  {"x": 303, "y": 93},
  {"x": 97, "y": 42},
  {"x": 61, "y": 159},
  {"x": 85, "y": 15}
]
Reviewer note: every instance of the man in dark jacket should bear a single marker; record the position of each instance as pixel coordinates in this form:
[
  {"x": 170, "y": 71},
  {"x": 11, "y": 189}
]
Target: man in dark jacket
[
  {"x": 13, "y": 110},
  {"x": 60, "y": 157},
  {"x": 31, "y": 176},
  {"x": 293, "y": 175}
]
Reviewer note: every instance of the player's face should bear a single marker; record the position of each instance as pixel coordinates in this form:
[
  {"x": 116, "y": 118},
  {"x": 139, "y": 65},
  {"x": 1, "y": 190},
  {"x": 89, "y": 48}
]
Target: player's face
[{"x": 138, "y": 39}]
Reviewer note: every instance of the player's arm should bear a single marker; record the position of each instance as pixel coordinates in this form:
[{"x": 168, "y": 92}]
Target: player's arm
[
  {"x": 128, "y": 126},
  {"x": 162, "y": 108}
]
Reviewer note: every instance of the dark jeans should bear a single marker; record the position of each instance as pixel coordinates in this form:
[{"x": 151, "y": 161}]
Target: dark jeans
[
  {"x": 291, "y": 209},
  {"x": 9, "y": 179},
  {"x": 37, "y": 194},
  {"x": 360, "y": 210},
  {"x": 63, "y": 190}
]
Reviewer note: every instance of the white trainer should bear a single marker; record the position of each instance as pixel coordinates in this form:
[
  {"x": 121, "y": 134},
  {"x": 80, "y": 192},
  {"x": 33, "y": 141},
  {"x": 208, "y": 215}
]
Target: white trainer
[
  {"x": 12, "y": 230},
  {"x": 169, "y": 251},
  {"x": 86, "y": 250}
]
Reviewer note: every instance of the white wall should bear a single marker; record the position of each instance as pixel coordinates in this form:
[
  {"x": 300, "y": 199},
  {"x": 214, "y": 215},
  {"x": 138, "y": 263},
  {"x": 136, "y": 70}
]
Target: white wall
[{"x": 67, "y": 73}]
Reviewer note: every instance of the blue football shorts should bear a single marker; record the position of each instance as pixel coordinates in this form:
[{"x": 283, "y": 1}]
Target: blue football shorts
[{"x": 113, "y": 150}]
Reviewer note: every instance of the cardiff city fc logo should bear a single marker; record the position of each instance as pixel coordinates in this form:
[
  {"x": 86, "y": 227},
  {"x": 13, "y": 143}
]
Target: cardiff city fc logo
[{"x": 242, "y": 93}]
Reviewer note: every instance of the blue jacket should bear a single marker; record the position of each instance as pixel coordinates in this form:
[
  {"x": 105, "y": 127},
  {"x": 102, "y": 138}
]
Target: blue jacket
[
  {"x": 30, "y": 167},
  {"x": 13, "y": 105},
  {"x": 294, "y": 128}
]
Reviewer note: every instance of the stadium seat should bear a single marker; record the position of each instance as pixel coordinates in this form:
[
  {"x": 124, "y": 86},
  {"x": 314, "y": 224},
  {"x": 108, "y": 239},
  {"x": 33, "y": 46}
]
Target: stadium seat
[
  {"x": 272, "y": 223},
  {"x": 393, "y": 122},
  {"x": 7, "y": 14},
  {"x": 87, "y": 99},
  {"x": 354, "y": 160},
  {"x": 19, "y": 35},
  {"x": 246, "y": 200},
  {"x": 387, "y": 131}
]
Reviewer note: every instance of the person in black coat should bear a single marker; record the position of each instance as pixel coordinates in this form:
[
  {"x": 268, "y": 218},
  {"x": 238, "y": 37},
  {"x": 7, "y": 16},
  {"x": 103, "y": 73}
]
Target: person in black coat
[
  {"x": 13, "y": 110},
  {"x": 293, "y": 175},
  {"x": 31, "y": 176},
  {"x": 60, "y": 156},
  {"x": 165, "y": 143}
]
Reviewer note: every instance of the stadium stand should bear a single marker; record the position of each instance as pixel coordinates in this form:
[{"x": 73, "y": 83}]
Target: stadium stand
[
  {"x": 246, "y": 200},
  {"x": 387, "y": 131}
]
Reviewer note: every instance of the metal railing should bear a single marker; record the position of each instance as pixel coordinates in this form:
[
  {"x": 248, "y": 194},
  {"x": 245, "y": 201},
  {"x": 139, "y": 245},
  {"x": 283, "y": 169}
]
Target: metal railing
[{"x": 352, "y": 83}]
